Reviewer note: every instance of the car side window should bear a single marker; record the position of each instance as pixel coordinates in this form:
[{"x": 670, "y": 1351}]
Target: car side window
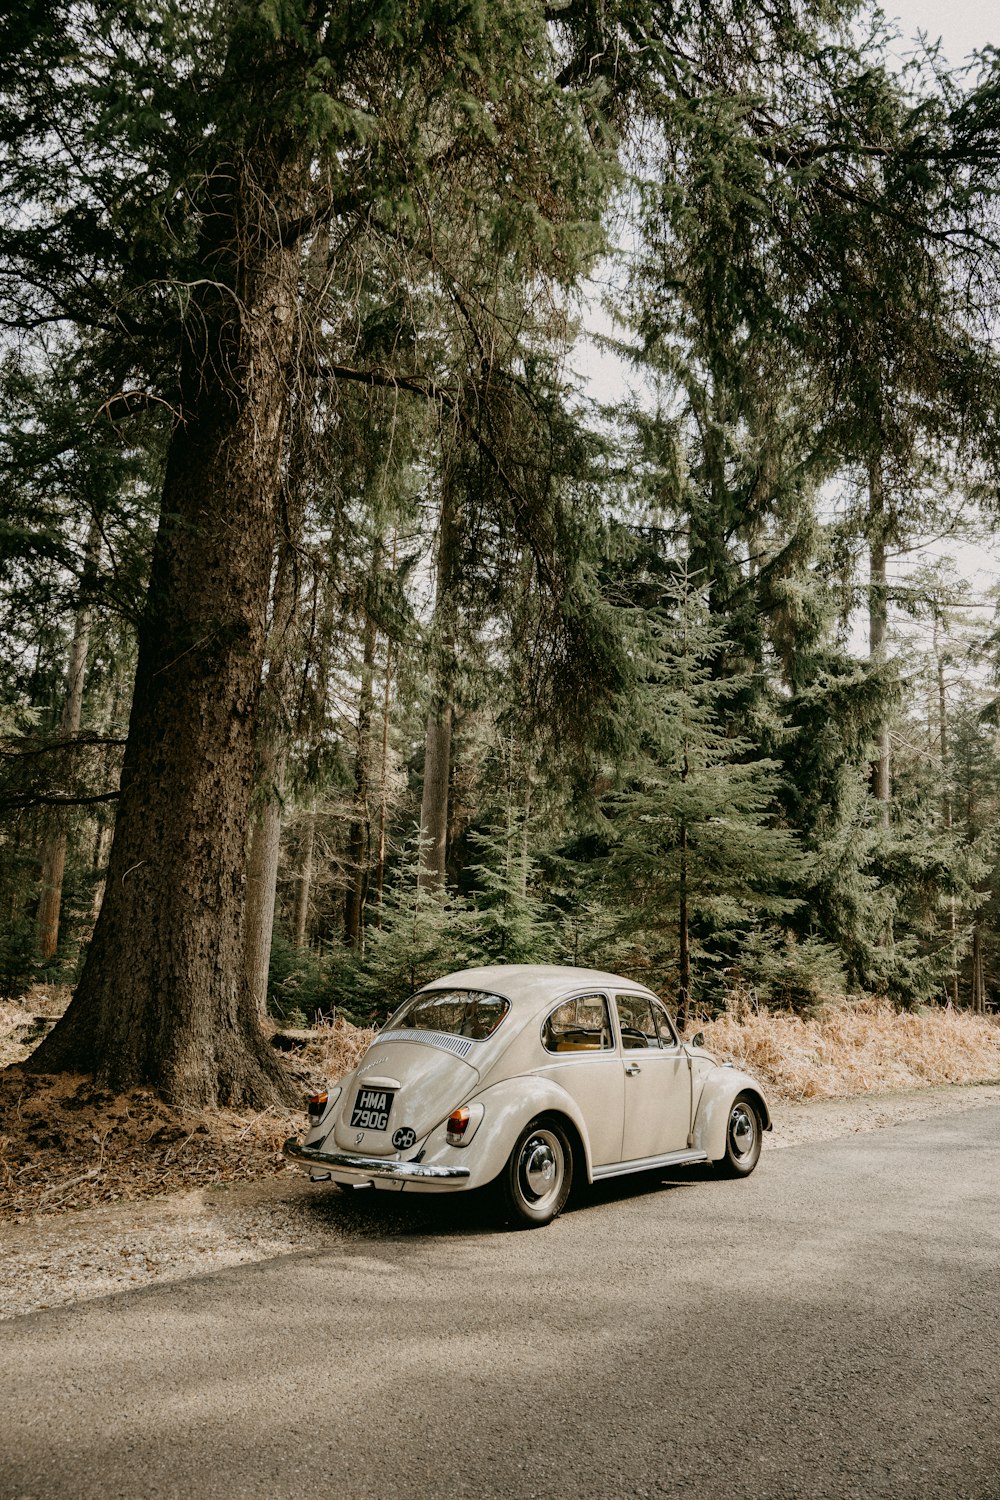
[
  {"x": 636, "y": 1021},
  {"x": 579, "y": 1025},
  {"x": 664, "y": 1025}
]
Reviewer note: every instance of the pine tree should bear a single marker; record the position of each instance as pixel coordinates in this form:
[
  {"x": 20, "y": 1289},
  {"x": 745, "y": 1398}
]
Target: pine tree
[
  {"x": 511, "y": 920},
  {"x": 420, "y": 935},
  {"x": 696, "y": 840},
  {"x": 250, "y": 129}
]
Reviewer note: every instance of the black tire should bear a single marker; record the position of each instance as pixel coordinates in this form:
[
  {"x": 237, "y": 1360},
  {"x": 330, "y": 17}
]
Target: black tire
[
  {"x": 536, "y": 1181},
  {"x": 744, "y": 1132}
]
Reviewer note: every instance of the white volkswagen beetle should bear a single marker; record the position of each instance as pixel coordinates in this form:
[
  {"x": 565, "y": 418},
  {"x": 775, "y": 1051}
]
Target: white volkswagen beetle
[{"x": 529, "y": 1077}]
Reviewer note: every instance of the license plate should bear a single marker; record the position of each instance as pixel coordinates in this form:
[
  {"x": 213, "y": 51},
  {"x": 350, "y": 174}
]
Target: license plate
[{"x": 371, "y": 1109}]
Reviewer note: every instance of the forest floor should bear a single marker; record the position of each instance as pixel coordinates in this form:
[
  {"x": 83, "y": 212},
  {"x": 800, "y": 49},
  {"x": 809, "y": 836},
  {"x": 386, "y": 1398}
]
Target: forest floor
[
  {"x": 161, "y": 1192},
  {"x": 65, "y": 1144}
]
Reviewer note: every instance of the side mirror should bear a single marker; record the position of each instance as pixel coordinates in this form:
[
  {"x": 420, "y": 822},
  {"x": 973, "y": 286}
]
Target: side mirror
[{"x": 698, "y": 1040}]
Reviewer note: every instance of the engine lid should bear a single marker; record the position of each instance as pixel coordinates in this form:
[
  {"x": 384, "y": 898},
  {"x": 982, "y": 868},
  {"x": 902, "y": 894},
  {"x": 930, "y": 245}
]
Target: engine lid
[{"x": 405, "y": 1085}]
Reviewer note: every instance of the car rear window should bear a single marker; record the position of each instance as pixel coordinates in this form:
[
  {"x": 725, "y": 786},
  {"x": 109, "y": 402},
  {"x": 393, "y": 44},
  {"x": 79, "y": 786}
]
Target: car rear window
[{"x": 473, "y": 1013}]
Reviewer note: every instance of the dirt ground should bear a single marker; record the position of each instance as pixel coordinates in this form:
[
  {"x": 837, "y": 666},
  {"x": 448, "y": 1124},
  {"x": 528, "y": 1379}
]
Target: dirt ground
[
  {"x": 65, "y": 1144},
  {"x": 264, "y": 1208}
]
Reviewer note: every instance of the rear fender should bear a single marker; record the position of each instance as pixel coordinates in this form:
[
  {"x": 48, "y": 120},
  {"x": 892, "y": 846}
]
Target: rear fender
[
  {"x": 720, "y": 1089},
  {"x": 508, "y": 1107}
]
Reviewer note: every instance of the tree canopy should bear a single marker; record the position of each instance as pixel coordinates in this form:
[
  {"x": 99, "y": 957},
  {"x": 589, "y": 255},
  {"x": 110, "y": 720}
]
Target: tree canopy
[{"x": 325, "y": 585}]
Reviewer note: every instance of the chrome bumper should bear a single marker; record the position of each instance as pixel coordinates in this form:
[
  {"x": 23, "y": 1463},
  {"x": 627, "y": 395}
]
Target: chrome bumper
[{"x": 364, "y": 1168}]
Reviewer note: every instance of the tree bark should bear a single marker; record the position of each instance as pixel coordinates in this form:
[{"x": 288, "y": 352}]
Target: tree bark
[
  {"x": 359, "y": 836},
  {"x": 437, "y": 742},
  {"x": 878, "y": 616},
  {"x": 54, "y": 850},
  {"x": 304, "y": 887},
  {"x": 163, "y": 998}
]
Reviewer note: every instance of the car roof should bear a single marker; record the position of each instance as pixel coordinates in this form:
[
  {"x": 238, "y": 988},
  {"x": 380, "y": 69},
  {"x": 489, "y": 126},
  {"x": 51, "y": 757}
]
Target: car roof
[{"x": 528, "y": 986}]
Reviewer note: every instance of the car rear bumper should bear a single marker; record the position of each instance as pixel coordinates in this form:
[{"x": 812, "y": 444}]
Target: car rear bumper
[{"x": 367, "y": 1168}]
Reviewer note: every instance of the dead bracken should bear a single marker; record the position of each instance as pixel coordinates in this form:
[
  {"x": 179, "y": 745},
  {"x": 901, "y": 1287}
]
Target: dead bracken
[
  {"x": 862, "y": 1047},
  {"x": 65, "y": 1144}
]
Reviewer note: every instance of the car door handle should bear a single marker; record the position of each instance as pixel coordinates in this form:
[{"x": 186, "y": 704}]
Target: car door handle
[{"x": 632, "y": 1068}]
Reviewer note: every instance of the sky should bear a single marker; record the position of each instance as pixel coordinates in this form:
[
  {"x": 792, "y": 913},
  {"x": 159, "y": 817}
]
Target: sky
[{"x": 961, "y": 25}]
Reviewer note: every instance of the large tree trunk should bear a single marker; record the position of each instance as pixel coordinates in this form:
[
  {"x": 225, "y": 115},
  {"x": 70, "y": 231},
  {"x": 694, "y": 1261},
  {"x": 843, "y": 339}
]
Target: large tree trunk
[
  {"x": 54, "y": 849},
  {"x": 163, "y": 998}
]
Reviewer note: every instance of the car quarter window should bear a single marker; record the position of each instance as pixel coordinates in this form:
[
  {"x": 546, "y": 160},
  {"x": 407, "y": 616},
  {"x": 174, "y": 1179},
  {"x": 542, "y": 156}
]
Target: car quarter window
[
  {"x": 579, "y": 1025},
  {"x": 636, "y": 1021}
]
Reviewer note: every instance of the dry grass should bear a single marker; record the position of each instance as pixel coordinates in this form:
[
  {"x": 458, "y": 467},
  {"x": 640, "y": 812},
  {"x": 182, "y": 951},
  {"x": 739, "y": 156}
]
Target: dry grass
[
  {"x": 335, "y": 1049},
  {"x": 16, "y": 1022},
  {"x": 22, "y": 1022},
  {"x": 862, "y": 1048},
  {"x": 66, "y": 1144}
]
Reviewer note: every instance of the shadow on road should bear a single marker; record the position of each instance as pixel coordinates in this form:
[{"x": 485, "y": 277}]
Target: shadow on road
[{"x": 365, "y": 1213}]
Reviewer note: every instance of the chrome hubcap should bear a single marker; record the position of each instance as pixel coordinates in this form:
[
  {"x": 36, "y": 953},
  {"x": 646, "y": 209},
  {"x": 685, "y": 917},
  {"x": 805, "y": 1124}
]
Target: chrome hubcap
[
  {"x": 742, "y": 1130},
  {"x": 540, "y": 1166}
]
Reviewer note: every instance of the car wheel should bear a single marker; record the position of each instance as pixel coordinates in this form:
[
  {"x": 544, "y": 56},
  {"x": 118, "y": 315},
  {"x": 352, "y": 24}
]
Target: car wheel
[
  {"x": 743, "y": 1137},
  {"x": 538, "y": 1176}
]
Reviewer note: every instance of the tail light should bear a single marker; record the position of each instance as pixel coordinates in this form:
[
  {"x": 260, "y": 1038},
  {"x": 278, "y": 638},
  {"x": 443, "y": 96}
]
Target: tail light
[
  {"x": 458, "y": 1124},
  {"x": 316, "y": 1105}
]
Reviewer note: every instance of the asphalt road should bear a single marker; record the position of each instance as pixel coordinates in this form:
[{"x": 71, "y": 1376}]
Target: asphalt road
[{"x": 828, "y": 1328}]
